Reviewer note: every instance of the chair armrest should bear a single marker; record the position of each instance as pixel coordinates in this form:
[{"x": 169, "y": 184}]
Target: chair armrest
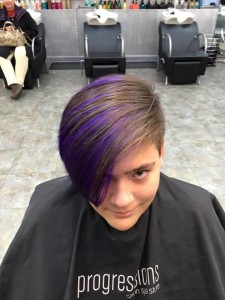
[
  {"x": 167, "y": 35},
  {"x": 86, "y": 45},
  {"x": 37, "y": 37},
  {"x": 205, "y": 40},
  {"x": 222, "y": 34},
  {"x": 120, "y": 37}
]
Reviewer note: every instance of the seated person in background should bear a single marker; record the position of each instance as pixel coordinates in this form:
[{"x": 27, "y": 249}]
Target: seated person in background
[
  {"x": 116, "y": 227},
  {"x": 20, "y": 18}
]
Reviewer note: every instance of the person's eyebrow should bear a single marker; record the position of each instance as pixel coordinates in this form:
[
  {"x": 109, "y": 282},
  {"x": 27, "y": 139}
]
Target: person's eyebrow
[{"x": 142, "y": 167}]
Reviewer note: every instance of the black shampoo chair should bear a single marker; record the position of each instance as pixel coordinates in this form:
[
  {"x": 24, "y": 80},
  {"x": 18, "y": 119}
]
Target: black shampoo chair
[
  {"x": 37, "y": 60},
  {"x": 103, "y": 50},
  {"x": 219, "y": 35},
  {"x": 180, "y": 53}
]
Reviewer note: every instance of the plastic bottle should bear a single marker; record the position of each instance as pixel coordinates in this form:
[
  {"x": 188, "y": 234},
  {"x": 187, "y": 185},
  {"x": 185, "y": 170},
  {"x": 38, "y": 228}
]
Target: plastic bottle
[
  {"x": 182, "y": 3},
  {"x": 192, "y": 4},
  {"x": 33, "y": 5},
  {"x": 23, "y": 4},
  {"x": 142, "y": 5},
  {"x": 148, "y": 5},
  {"x": 163, "y": 5},
  {"x": 27, "y": 4},
  {"x": 166, "y": 3},
  {"x": 53, "y": 4},
  {"x": 44, "y": 4},
  {"x": 64, "y": 4},
  {"x": 155, "y": 5},
  {"x": 95, "y": 4},
  {"x": 179, "y": 5},
  {"x": 170, "y": 4},
  {"x": 136, "y": 5},
  {"x": 58, "y": 4},
  {"x": 131, "y": 6},
  {"x": 38, "y": 5},
  {"x": 100, "y": 4},
  {"x": 185, "y": 6},
  {"x": 68, "y": 4},
  {"x": 115, "y": 4},
  {"x": 196, "y": 4}
]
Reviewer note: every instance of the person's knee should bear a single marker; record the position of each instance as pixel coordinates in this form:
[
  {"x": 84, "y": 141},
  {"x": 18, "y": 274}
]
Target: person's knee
[{"x": 4, "y": 61}]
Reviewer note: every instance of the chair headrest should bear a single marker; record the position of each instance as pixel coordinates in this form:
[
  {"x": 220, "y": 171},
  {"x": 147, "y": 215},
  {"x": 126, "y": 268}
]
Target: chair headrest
[
  {"x": 36, "y": 16},
  {"x": 101, "y": 17},
  {"x": 175, "y": 16}
]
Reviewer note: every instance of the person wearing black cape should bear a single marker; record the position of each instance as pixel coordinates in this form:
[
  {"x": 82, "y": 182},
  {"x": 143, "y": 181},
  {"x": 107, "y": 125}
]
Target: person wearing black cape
[{"x": 116, "y": 227}]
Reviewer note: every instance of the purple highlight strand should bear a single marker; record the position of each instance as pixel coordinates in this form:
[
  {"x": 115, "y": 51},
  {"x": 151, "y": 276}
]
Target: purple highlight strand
[{"x": 102, "y": 80}]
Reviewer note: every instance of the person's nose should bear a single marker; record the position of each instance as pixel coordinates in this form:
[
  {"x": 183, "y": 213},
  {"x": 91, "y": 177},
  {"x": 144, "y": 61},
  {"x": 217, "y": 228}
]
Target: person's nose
[{"x": 121, "y": 194}]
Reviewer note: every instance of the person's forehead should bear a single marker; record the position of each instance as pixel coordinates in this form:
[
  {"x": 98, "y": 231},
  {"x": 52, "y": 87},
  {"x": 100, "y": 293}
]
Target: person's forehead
[
  {"x": 142, "y": 155},
  {"x": 137, "y": 150}
]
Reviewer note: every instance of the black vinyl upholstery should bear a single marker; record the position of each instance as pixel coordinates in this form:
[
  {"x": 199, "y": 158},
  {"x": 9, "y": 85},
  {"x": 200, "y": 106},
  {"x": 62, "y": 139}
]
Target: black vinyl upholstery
[
  {"x": 37, "y": 59},
  {"x": 180, "y": 53},
  {"x": 103, "y": 50},
  {"x": 220, "y": 27}
]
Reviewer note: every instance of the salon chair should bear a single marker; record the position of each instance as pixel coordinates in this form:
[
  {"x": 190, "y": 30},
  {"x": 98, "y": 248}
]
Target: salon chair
[
  {"x": 219, "y": 34},
  {"x": 103, "y": 50},
  {"x": 180, "y": 54},
  {"x": 37, "y": 60},
  {"x": 220, "y": 27}
]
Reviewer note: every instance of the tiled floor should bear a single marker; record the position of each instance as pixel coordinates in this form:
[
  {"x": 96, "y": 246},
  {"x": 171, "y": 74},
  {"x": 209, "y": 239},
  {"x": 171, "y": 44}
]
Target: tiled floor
[{"x": 195, "y": 138}]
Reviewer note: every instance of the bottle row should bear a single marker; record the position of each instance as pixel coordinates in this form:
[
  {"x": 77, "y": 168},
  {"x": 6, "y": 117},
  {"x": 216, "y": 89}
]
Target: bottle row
[
  {"x": 109, "y": 4},
  {"x": 142, "y": 4}
]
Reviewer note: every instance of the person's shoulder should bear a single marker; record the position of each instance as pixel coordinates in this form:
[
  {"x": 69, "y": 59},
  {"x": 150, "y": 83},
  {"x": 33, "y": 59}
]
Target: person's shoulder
[
  {"x": 20, "y": 10},
  {"x": 184, "y": 192},
  {"x": 54, "y": 206},
  {"x": 2, "y": 14},
  {"x": 53, "y": 197},
  {"x": 191, "y": 202},
  {"x": 55, "y": 190},
  {"x": 174, "y": 183},
  {"x": 52, "y": 216},
  {"x": 61, "y": 183},
  {"x": 22, "y": 13}
]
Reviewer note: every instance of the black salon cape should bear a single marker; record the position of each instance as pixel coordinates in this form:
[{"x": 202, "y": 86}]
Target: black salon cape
[{"x": 64, "y": 250}]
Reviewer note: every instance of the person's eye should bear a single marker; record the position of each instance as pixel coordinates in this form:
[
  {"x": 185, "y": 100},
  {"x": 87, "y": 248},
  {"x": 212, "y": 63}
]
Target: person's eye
[{"x": 140, "y": 174}]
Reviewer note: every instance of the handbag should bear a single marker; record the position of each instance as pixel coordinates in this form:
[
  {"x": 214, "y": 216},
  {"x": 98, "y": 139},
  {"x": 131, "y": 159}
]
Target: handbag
[{"x": 13, "y": 38}]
